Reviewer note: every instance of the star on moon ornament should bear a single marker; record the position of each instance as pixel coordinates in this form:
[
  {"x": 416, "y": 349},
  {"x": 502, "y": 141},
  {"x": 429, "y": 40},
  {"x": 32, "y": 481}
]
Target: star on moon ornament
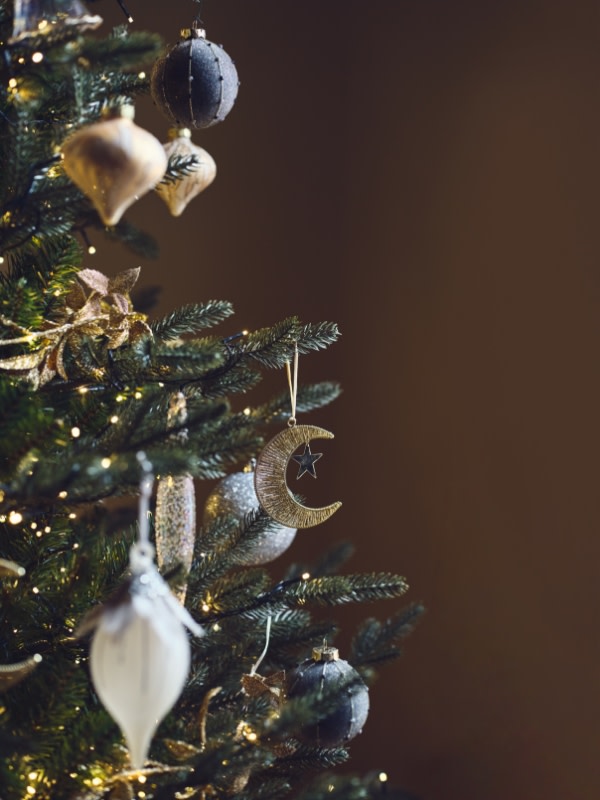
[{"x": 271, "y": 466}]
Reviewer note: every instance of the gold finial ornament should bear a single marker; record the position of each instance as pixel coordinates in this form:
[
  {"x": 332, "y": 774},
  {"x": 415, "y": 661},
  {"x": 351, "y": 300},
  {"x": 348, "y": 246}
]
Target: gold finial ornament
[
  {"x": 177, "y": 194},
  {"x": 114, "y": 162}
]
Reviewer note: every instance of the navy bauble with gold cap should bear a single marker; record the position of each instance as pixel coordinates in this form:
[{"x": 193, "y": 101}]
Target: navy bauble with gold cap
[
  {"x": 327, "y": 675},
  {"x": 195, "y": 83}
]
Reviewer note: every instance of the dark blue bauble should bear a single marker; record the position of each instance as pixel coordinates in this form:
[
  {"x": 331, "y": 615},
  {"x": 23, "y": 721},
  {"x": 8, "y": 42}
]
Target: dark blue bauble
[
  {"x": 321, "y": 674},
  {"x": 195, "y": 83}
]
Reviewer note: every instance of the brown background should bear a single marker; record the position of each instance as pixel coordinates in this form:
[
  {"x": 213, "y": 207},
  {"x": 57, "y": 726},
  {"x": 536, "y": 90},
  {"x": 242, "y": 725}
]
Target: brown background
[{"x": 425, "y": 172}]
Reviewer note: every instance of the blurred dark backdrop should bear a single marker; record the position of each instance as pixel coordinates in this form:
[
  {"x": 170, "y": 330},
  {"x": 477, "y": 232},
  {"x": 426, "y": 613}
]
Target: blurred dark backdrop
[{"x": 426, "y": 174}]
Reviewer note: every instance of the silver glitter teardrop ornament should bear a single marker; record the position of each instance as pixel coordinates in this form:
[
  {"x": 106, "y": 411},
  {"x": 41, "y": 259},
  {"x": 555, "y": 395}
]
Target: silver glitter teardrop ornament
[
  {"x": 175, "y": 516},
  {"x": 235, "y": 496}
]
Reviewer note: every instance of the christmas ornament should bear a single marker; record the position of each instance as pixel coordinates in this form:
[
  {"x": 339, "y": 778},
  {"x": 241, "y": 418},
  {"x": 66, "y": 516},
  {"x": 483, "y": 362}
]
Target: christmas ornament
[
  {"x": 177, "y": 194},
  {"x": 235, "y": 496},
  {"x": 324, "y": 671},
  {"x": 175, "y": 517},
  {"x": 195, "y": 84},
  {"x": 271, "y": 467},
  {"x": 140, "y": 653},
  {"x": 273, "y": 686},
  {"x": 43, "y": 17},
  {"x": 114, "y": 162},
  {"x": 95, "y": 305},
  {"x": 11, "y": 674}
]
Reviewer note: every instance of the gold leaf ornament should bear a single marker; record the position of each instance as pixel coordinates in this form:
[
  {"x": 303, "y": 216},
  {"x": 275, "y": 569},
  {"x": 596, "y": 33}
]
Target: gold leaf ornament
[
  {"x": 114, "y": 162},
  {"x": 95, "y": 306}
]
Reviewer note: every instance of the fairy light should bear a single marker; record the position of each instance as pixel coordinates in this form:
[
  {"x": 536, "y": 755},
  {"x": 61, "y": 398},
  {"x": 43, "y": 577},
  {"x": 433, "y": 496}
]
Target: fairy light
[
  {"x": 42, "y": 24},
  {"x": 216, "y": 627},
  {"x": 205, "y": 607},
  {"x": 114, "y": 419},
  {"x": 75, "y": 432},
  {"x": 331, "y": 787},
  {"x": 32, "y": 776},
  {"x": 92, "y": 250},
  {"x": 142, "y": 779},
  {"x": 12, "y": 84},
  {"x": 35, "y": 590},
  {"x": 119, "y": 398},
  {"x": 138, "y": 395},
  {"x": 247, "y": 411},
  {"x": 383, "y": 777},
  {"x": 47, "y": 529},
  {"x": 30, "y": 790},
  {"x": 2, "y": 517},
  {"x": 96, "y": 781},
  {"x": 72, "y": 515},
  {"x": 305, "y": 576},
  {"x": 141, "y": 75},
  {"x": 38, "y": 534},
  {"x": 15, "y": 517},
  {"x": 106, "y": 462},
  {"x": 83, "y": 390},
  {"x": 37, "y": 57},
  {"x": 63, "y": 494},
  {"x": 33, "y": 526}
]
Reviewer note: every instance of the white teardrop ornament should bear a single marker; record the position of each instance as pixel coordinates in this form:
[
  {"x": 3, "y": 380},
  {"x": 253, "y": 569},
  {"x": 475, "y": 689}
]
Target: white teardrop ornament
[{"x": 140, "y": 654}]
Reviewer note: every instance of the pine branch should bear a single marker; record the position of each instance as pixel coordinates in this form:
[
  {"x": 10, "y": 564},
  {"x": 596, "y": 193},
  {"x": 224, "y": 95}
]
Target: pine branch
[
  {"x": 272, "y": 347},
  {"x": 179, "y": 166},
  {"x": 339, "y": 590},
  {"x": 309, "y": 397},
  {"x": 191, "y": 319},
  {"x": 306, "y": 758},
  {"x": 376, "y": 642}
]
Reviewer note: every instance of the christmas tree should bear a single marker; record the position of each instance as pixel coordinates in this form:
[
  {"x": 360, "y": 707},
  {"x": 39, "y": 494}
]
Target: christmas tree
[{"x": 98, "y": 398}]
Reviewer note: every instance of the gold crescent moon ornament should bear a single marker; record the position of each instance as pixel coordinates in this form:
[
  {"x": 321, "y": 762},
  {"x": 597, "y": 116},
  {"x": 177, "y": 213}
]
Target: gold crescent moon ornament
[{"x": 270, "y": 477}]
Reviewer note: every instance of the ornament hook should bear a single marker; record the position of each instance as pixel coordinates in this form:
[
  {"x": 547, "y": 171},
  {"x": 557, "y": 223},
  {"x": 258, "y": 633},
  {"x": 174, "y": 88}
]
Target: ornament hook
[
  {"x": 259, "y": 661},
  {"x": 293, "y": 384}
]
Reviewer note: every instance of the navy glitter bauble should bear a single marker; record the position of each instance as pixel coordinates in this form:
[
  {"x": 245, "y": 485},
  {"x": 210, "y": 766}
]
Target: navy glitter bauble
[
  {"x": 320, "y": 674},
  {"x": 195, "y": 83}
]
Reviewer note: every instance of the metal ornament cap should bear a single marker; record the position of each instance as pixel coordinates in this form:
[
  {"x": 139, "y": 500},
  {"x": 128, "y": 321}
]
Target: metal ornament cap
[{"x": 325, "y": 653}]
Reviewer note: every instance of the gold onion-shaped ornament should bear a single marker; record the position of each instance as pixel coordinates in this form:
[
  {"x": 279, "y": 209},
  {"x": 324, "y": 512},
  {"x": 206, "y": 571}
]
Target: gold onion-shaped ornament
[
  {"x": 177, "y": 194},
  {"x": 114, "y": 162}
]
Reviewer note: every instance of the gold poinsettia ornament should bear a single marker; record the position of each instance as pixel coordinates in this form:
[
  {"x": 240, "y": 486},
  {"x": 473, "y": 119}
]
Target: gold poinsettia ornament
[{"x": 96, "y": 307}]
